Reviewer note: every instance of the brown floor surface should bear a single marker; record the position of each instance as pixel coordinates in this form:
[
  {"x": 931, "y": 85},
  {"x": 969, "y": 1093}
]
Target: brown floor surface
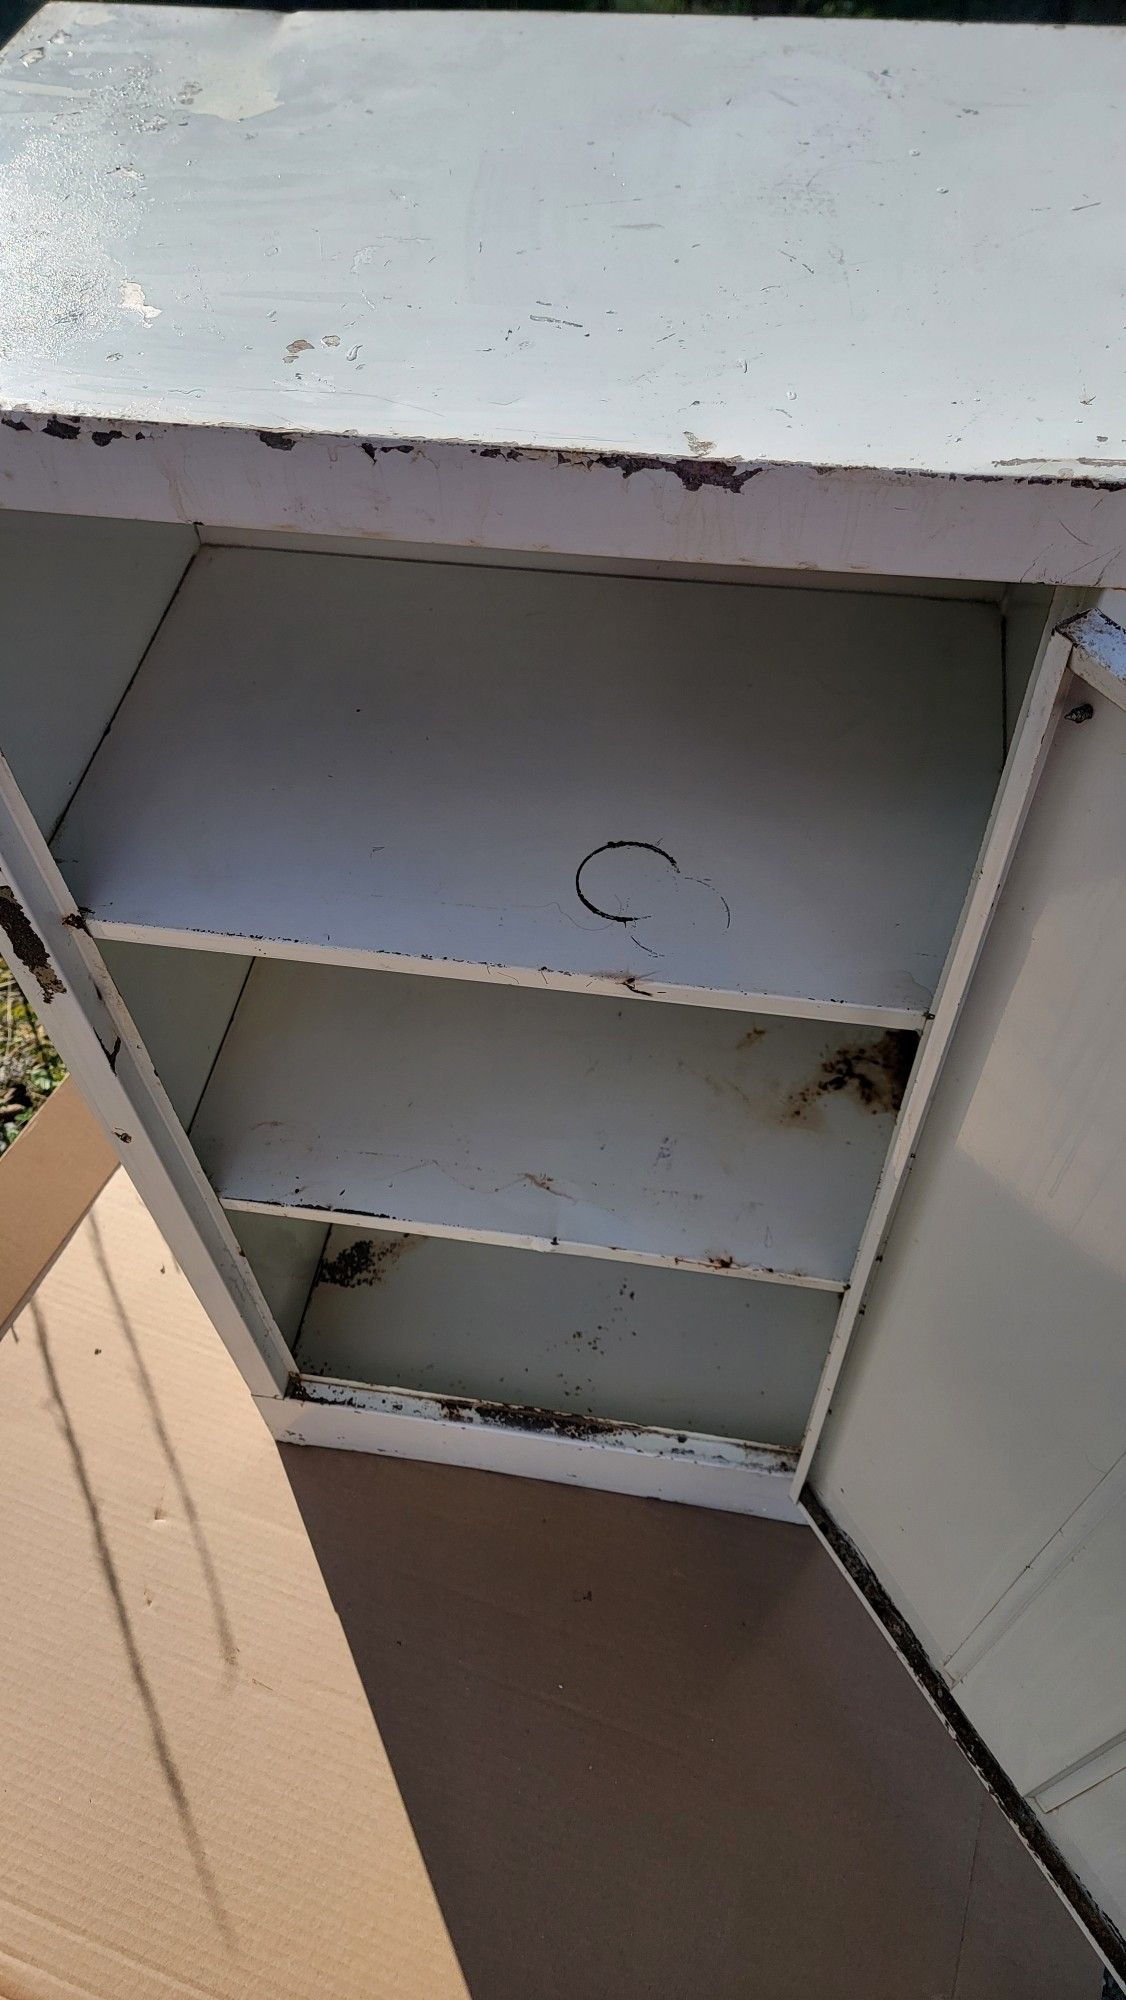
[{"x": 559, "y": 1746}]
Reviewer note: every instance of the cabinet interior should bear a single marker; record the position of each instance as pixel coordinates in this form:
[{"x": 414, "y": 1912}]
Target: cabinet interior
[{"x": 470, "y": 910}]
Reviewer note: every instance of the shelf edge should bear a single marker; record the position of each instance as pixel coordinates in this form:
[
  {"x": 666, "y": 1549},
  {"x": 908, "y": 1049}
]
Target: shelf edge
[
  {"x": 795, "y": 1007},
  {"x": 351, "y": 1218},
  {"x": 686, "y": 1467}
]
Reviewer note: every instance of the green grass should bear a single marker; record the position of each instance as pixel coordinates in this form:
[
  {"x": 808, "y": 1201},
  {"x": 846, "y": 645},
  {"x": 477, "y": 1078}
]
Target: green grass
[{"x": 29, "y": 1067}]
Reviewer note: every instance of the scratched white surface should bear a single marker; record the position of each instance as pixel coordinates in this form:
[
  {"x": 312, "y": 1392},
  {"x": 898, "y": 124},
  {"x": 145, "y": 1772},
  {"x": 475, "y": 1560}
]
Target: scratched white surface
[
  {"x": 407, "y": 764},
  {"x": 848, "y": 243}
]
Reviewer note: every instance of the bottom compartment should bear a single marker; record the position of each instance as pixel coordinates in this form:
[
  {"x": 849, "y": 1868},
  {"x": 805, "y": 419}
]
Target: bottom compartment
[
  {"x": 623, "y": 1343},
  {"x": 616, "y": 1344}
]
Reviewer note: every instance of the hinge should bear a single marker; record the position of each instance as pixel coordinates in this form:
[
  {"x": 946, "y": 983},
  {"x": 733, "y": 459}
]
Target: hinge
[{"x": 1099, "y": 652}]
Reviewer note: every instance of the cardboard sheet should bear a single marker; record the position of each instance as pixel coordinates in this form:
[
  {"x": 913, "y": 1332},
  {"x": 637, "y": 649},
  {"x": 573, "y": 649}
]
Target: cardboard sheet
[
  {"x": 48, "y": 1178},
  {"x": 315, "y": 1726}
]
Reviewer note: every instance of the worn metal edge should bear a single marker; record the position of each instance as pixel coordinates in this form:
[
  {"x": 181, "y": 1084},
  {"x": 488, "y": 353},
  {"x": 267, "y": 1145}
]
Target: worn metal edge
[
  {"x": 1103, "y": 1933},
  {"x": 693, "y": 470},
  {"x": 237, "y": 1203},
  {"x": 483, "y": 972},
  {"x": 568, "y": 499},
  {"x": 530, "y": 1442}
]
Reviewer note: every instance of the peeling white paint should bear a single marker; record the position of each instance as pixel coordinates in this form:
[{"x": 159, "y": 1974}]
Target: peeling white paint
[
  {"x": 230, "y": 92},
  {"x": 726, "y": 260},
  {"x": 43, "y": 89},
  {"x": 133, "y": 300}
]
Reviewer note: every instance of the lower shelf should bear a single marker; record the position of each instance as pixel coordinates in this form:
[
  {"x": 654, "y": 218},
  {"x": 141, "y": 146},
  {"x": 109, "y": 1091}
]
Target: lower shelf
[
  {"x": 656, "y": 1383},
  {"x": 572, "y": 1339},
  {"x": 656, "y": 1135}
]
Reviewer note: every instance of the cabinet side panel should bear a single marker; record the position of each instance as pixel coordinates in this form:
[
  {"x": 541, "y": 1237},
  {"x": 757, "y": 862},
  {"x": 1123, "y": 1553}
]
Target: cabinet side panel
[
  {"x": 181, "y": 1003},
  {"x": 82, "y": 598},
  {"x": 284, "y": 1255}
]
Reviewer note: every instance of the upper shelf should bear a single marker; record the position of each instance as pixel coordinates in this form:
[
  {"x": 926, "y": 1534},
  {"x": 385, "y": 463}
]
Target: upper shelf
[
  {"x": 757, "y": 798},
  {"x": 660, "y": 1135}
]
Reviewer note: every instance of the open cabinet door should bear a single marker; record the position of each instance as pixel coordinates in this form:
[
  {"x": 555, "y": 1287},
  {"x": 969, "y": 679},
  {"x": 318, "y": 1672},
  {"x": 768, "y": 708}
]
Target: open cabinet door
[{"x": 968, "y": 1467}]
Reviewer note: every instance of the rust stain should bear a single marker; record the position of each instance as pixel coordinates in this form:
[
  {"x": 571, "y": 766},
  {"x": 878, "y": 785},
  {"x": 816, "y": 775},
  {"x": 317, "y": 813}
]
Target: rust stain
[
  {"x": 727, "y": 474},
  {"x": 366, "y": 1262},
  {"x": 733, "y": 474},
  {"x": 751, "y": 1039},
  {"x": 875, "y": 1073},
  {"x": 726, "y": 1086},
  {"x": 530, "y": 1417},
  {"x": 548, "y": 1186},
  {"x": 730, "y": 475},
  {"x": 28, "y": 946},
  {"x": 375, "y": 451},
  {"x": 456, "y": 1409},
  {"x": 630, "y": 980}
]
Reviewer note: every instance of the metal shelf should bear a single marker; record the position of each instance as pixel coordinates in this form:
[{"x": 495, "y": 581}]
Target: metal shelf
[
  {"x": 744, "y": 1145},
  {"x": 757, "y": 798}
]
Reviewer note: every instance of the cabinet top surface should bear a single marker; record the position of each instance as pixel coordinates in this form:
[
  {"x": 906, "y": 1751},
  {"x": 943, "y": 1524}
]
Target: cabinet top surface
[{"x": 860, "y": 243}]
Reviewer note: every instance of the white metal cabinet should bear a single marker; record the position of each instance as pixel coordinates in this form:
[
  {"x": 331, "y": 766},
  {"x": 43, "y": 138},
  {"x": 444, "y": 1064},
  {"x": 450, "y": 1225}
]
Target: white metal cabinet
[{"x": 528, "y": 655}]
